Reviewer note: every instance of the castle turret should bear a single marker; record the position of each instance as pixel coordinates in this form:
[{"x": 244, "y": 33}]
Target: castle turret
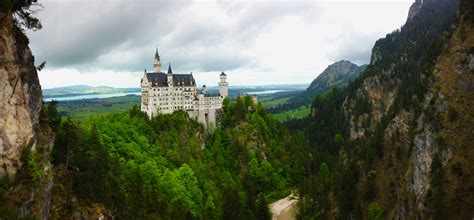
[
  {"x": 204, "y": 89},
  {"x": 157, "y": 62},
  {"x": 169, "y": 75},
  {"x": 223, "y": 85}
]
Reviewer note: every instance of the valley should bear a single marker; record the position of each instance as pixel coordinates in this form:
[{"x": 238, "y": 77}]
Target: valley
[
  {"x": 84, "y": 108},
  {"x": 391, "y": 139}
]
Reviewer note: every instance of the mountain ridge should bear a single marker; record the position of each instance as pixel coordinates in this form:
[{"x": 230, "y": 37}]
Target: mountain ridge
[
  {"x": 337, "y": 74},
  {"x": 383, "y": 131}
]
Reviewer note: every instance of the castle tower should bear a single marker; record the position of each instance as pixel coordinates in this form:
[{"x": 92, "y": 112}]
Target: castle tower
[
  {"x": 169, "y": 75},
  {"x": 157, "y": 62},
  {"x": 223, "y": 85}
]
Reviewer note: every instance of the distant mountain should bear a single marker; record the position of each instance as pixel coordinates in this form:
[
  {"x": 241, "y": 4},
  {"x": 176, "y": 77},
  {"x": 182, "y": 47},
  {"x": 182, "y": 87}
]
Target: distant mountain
[
  {"x": 234, "y": 91},
  {"x": 85, "y": 90},
  {"x": 336, "y": 74}
]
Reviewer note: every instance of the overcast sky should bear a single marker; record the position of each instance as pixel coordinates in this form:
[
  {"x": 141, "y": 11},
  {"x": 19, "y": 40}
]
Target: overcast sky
[{"x": 111, "y": 42}]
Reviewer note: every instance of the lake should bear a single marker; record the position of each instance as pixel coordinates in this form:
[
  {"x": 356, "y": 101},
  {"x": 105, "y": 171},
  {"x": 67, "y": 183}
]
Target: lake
[
  {"x": 266, "y": 92},
  {"x": 92, "y": 96},
  {"x": 101, "y": 96}
]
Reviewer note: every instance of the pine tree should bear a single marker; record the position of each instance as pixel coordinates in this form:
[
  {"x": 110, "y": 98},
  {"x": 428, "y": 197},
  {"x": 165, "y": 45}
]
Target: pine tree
[{"x": 262, "y": 212}]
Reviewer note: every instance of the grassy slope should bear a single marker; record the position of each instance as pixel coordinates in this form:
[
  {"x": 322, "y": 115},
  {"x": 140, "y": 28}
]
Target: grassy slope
[
  {"x": 81, "y": 110},
  {"x": 292, "y": 114},
  {"x": 269, "y": 101}
]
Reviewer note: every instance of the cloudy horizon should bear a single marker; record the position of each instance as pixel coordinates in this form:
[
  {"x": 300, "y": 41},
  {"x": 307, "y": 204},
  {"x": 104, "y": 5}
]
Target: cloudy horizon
[{"x": 110, "y": 43}]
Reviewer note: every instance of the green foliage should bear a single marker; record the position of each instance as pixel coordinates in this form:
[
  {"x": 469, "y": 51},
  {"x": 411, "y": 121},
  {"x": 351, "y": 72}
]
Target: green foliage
[
  {"x": 68, "y": 140},
  {"x": 436, "y": 194},
  {"x": 170, "y": 166},
  {"x": 23, "y": 11},
  {"x": 338, "y": 139},
  {"x": 262, "y": 211},
  {"x": 402, "y": 65},
  {"x": 375, "y": 211},
  {"x": 54, "y": 119},
  {"x": 82, "y": 110},
  {"x": 5, "y": 183},
  {"x": 32, "y": 169}
]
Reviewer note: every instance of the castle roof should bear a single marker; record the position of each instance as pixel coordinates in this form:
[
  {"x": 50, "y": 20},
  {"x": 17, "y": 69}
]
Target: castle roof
[
  {"x": 223, "y": 74},
  {"x": 160, "y": 79}
]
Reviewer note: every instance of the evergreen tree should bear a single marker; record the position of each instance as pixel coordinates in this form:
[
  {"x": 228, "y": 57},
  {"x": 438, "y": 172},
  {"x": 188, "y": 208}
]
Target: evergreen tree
[
  {"x": 437, "y": 193},
  {"x": 262, "y": 211}
]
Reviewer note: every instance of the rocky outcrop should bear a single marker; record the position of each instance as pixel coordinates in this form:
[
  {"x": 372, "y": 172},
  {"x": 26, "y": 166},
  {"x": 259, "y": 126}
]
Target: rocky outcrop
[
  {"x": 25, "y": 140},
  {"x": 407, "y": 122},
  {"x": 285, "y": 209},
  {"x": 414, "y": 9},
  {"x": 20, "y": 97}
]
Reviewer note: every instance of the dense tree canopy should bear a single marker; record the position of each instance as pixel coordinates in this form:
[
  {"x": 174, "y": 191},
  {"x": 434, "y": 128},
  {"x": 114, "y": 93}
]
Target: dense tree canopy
[{"x": 170, "y": 166}]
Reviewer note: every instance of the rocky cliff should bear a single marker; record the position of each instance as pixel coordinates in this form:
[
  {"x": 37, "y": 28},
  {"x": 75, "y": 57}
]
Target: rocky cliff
[
  {"x": 400, "y": 87},
  {"x": 20, "y": 99},
  {"x": 453, "y": 94},
  {"x": 414, "y": 9},
  {"x": 25, "y": 140},
  {"x": 419, "y": 76},
  {"x": 405, "y": 124}
]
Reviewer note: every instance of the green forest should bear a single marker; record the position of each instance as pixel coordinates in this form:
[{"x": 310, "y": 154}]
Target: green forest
[
  {"x": 394, "y": 143},
  {"x": 170, "y": 166}
]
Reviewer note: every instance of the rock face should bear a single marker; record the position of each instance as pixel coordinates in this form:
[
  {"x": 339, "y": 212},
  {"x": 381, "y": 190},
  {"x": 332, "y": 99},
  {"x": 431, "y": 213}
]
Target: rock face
[
  {"x": 285, "y": 209},
  {"x": 414, "y": 9},
  {"x": 20, "y": 97},
  {"x": 23, "y": 136},
  {"x": 412, "y": 124}
]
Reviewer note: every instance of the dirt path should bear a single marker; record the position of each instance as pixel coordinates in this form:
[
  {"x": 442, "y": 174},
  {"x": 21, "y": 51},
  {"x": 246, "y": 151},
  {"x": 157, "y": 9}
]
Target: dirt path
[{"x": 284, "y": 209}]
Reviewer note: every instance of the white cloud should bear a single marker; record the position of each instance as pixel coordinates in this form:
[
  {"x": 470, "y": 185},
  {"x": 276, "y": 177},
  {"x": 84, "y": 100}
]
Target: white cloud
[
  {"x": 255, "y": 42},
  {"x": 69, "y": 77}
]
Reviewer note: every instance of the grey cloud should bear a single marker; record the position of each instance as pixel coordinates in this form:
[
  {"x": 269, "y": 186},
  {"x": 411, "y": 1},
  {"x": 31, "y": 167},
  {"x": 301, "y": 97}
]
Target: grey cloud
[
  {"x": 77, "y": 33},
  {"x": 354, "y": 46}
]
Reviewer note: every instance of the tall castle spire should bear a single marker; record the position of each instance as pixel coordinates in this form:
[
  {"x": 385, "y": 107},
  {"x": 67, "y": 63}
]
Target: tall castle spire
[
  {"x": 170, "y": 71},
  {"x": 169, "y": 76},
  {"x": 157, "y": 55},
  {"x": 157, "y": 62}
]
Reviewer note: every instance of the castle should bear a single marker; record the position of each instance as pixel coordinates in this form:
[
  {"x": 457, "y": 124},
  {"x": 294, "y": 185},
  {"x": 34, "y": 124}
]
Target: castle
[{"x": 164, "y": 93}]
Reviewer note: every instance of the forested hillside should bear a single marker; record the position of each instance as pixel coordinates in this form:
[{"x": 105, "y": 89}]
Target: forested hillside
[
  {"x": 384, "y": 147},
  {"x": 338, "y": 74},
  {"x": 170, "y": 167},
  {"x": 397, "y": 142}
]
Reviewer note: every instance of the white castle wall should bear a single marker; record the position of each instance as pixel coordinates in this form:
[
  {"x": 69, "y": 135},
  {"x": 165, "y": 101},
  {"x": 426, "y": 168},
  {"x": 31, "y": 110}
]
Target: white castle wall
[{"x": 165, "y": 100}]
